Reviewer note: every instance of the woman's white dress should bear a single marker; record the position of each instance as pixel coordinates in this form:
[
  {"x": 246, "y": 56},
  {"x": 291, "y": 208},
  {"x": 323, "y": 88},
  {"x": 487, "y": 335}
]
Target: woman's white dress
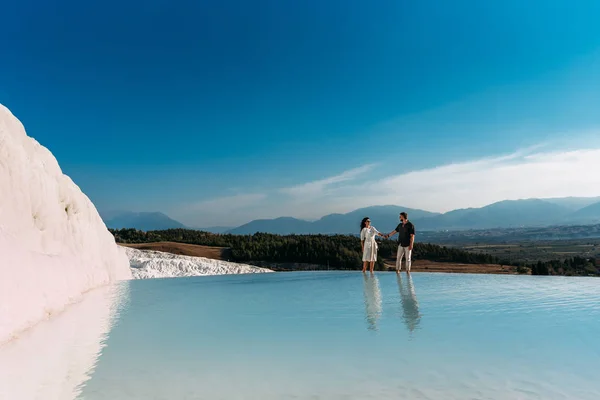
[{"x": 368, "y": 236}]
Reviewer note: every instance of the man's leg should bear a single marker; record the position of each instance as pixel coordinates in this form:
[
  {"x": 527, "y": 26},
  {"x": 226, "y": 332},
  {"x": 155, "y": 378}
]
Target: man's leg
[
  {"x": 408, "y": 253},
  {"x": 399, "y": 256}
]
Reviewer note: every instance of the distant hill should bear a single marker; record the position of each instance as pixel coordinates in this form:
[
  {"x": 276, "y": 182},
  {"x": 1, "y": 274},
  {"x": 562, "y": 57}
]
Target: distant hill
[
  {"x": 589, "y": 213},
  {"x": 279, "y": 226},
  {"x": 574, "y": 203},
  {"x": 144, "y": 221},
  {"x": 384, "y": 218},
  {"x": 502, "y": 214}
]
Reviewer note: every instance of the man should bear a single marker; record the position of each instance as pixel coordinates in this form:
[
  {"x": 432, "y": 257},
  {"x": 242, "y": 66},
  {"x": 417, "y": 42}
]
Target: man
[{"x": 406, "y": 240}]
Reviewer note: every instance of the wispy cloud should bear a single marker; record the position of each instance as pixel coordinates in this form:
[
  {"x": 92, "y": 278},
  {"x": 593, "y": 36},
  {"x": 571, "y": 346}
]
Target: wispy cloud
[
  {"x": 318, "y": 187},
  {"x": 523, "y": 174},
  {"x": 480, "y": 182}
]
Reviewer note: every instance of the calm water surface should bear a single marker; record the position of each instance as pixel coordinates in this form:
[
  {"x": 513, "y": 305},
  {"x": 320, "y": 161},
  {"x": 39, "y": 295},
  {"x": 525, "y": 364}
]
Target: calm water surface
[{"x": 338, "y": 335}]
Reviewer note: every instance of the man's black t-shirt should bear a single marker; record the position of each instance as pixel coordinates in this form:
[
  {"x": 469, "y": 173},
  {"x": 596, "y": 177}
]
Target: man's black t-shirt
[{"x": 404, "y": 232}]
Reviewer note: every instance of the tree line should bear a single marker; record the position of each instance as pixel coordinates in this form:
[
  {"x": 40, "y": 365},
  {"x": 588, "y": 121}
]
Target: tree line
[
  {"x": 338, "y": 251},
  {"x": 574, "y": 266}
]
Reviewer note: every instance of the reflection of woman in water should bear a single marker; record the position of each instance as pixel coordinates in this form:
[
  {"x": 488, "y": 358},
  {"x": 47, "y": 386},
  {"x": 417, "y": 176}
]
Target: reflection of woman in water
[
  {"x": 372, "y": 300},
  {"x": 368, "y": 234},
  {"x": 410, "y": 305}
]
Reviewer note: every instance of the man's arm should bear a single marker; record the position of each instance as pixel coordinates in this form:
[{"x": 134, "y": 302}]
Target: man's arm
[
  {"x": 390, "y": 234},
  {"x": 412, "y": 241}
]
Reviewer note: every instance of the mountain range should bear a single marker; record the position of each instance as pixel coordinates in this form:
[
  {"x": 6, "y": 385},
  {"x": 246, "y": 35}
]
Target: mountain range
[
  {"x": 381, "y": 216},
  {"x": 503, "y": 214},
  {"x": 144, "y": 221},
  {"x": 150, "y": 221}
]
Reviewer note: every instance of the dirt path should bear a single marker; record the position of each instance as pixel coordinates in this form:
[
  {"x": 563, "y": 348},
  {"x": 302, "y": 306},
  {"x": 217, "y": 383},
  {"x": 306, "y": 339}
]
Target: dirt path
[{"x": 184, "y": 249}]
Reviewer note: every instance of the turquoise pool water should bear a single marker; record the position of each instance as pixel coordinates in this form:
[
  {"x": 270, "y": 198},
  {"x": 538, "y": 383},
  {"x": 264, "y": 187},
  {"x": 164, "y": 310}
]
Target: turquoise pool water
[{"x": 342, "y": 335}]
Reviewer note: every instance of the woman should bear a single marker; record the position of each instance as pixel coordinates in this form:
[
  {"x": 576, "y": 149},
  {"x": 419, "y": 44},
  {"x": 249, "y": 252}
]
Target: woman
[{"x": 368, "y": 243}]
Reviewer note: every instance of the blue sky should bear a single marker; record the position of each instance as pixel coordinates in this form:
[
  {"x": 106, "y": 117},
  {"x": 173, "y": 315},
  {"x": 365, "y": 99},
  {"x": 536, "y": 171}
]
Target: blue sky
[{"x": 212, "y": 111}]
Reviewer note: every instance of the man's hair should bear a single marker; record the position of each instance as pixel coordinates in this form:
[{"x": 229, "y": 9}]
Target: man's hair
[{"x": 403, "y": 214}]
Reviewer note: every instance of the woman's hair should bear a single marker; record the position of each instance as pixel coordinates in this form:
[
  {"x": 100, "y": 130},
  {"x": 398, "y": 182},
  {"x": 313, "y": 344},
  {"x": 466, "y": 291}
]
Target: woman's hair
[{"x": 363, "y": 223}]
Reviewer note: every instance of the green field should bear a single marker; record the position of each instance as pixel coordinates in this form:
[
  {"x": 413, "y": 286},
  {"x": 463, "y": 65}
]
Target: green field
[{"x": 530, "y": 251}]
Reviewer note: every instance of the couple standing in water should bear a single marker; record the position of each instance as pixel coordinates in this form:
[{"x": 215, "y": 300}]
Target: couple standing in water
[{"x": 406, "y": 240}]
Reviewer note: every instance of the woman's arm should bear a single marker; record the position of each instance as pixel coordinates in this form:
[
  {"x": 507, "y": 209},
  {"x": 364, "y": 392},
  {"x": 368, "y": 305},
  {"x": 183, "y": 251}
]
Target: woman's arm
[{"x": 362, "y": 239}]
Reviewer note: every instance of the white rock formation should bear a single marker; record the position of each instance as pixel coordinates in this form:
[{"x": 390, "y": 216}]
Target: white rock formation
[
  {"x": 157, "y": 264},
  {"x": 53, "y": 244}
]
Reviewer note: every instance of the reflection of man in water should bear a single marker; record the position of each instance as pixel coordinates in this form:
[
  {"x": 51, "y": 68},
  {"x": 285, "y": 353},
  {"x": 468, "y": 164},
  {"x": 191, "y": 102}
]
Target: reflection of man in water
[
  {"x": 372, "y": 300},
  {"x": 410, "y": 305}
]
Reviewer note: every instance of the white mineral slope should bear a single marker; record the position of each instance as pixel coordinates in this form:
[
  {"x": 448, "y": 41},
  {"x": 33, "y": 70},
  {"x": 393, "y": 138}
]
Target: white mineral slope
[
  {"x": 156, "y": 264},
  {"x": 53, "y": 244}
]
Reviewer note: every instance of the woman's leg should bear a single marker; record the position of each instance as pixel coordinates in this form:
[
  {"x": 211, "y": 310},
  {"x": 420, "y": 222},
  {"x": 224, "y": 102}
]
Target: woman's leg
[
  {"x": 364, "y": 266},
  {"x": 372, "y": 266}
]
